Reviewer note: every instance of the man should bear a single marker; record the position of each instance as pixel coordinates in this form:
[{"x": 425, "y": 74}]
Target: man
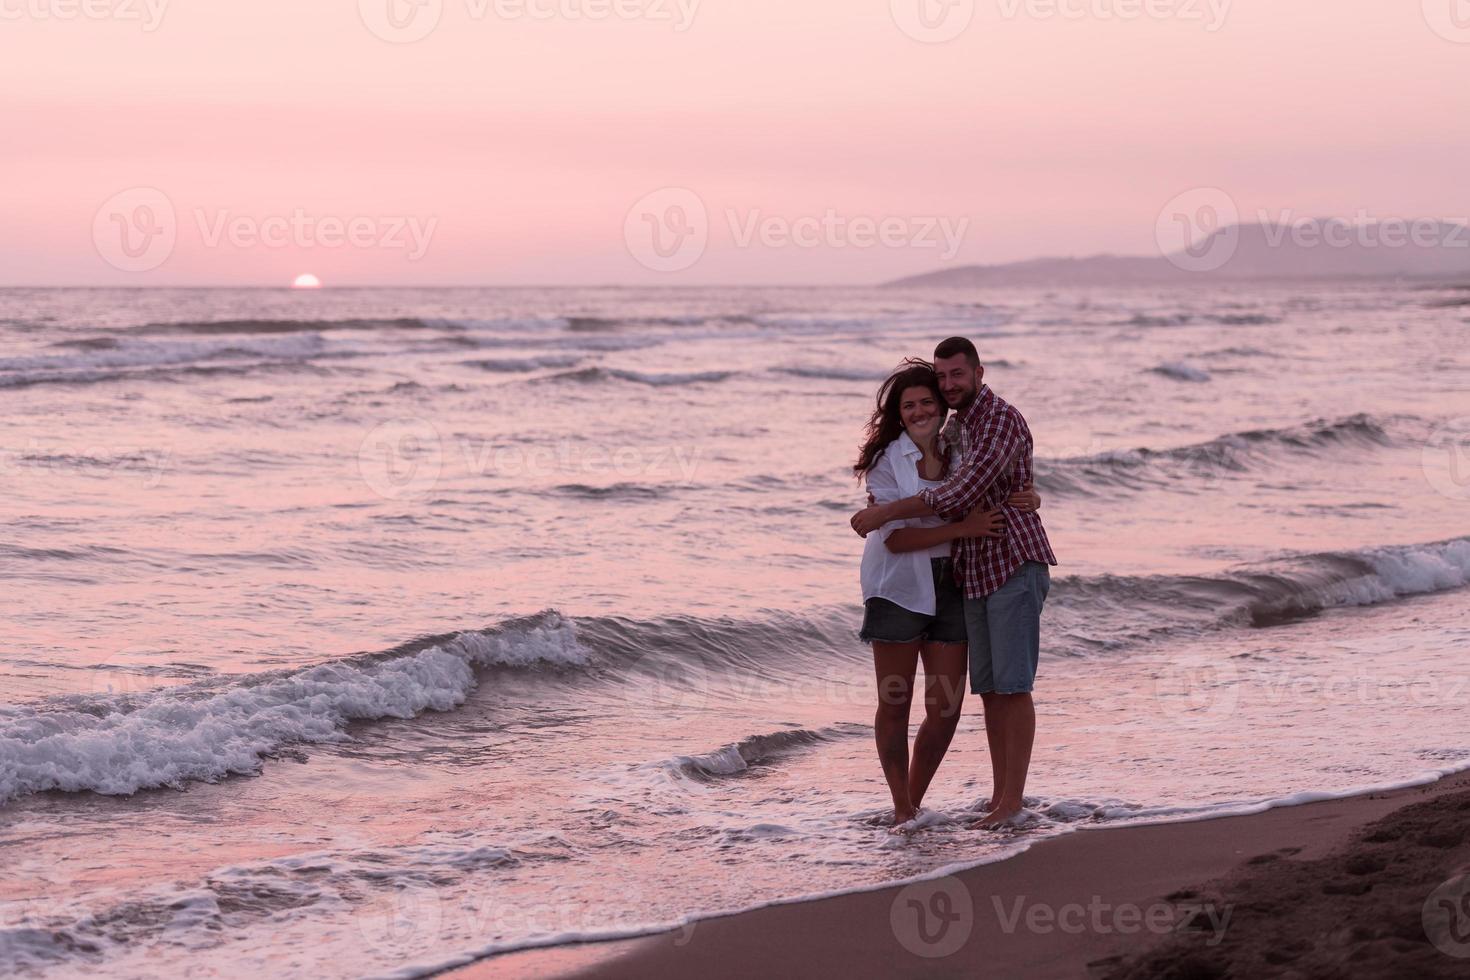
[{"x": 1005, "y": 579}]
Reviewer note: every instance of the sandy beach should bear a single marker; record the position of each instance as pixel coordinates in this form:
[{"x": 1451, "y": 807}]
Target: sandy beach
[{"x": 1319, "y": 889}]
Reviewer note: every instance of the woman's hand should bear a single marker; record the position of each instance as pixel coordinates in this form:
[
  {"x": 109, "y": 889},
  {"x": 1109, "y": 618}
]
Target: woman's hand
[
  {"x": 1025, "y": 498},
  {"x": 868, "y": 519},
  {"x": 982, "y": 523}
]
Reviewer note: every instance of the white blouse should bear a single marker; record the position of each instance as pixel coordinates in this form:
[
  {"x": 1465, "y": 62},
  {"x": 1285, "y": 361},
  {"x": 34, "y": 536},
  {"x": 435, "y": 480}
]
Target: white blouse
[{"x": 905, "y": 579}]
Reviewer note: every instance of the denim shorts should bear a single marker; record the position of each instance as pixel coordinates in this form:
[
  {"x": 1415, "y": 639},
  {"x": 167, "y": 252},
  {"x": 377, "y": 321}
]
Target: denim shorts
[
  {"x": 888, "y": 622},
  {"x": 1005, "y": 632}
]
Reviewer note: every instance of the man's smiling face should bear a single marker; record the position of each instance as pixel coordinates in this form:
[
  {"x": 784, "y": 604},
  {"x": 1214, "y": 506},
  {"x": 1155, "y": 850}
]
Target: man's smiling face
[{"x": 958, "y": 380}]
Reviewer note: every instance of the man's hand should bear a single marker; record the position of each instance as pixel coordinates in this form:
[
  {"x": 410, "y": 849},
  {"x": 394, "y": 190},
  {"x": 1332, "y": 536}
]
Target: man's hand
[
  {"x": 1025, "y": 498},
  {"x": 982, "y": 523},
  {"x": 868, "y": 519}
]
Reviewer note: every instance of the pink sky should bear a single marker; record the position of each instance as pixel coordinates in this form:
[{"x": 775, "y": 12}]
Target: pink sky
[{"x": 518, "y": 145}]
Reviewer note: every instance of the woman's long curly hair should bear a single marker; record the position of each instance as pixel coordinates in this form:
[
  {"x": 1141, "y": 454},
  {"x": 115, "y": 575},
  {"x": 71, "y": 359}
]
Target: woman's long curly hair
[{"x": 886, "y": 424}]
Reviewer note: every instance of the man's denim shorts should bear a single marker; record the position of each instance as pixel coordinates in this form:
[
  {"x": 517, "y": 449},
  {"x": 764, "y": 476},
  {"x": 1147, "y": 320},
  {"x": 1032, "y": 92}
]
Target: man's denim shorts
[
  {"x": 1005, "y": 632},
  {"x": 888, "y": 622}
]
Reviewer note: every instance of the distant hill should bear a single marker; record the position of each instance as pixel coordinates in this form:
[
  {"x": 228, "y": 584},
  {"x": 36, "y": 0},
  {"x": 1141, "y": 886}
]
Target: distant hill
[{"x": 1326, "y": 249}]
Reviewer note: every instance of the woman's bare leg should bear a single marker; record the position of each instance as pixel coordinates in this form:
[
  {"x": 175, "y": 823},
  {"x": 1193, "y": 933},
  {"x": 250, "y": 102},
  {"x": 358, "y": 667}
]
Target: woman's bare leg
[
  {"x": 945, "y": 665},
  {"x": 895, "y": 664}
]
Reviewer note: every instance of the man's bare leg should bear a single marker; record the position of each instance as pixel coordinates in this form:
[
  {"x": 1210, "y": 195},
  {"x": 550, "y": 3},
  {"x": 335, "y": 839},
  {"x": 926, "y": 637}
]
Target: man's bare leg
[
  {"x": 1017, "y": 717},
  {"x": 995, "y": 739}
]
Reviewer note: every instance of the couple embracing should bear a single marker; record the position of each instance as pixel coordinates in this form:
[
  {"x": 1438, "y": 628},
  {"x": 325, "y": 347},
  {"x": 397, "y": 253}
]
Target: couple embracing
[{"x": 955, "y": 571}]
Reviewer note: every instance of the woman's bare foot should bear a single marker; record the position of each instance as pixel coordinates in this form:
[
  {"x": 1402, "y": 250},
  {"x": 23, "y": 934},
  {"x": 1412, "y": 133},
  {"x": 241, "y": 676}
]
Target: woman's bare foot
[
  {"x": 1001, "y": 814},
  {"x": 906, "y": 826},
  {"x": 903, "y": 816}
]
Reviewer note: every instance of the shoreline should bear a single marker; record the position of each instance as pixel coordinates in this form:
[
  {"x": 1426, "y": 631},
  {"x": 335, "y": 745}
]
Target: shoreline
[{"x": 1077, "y": 904}]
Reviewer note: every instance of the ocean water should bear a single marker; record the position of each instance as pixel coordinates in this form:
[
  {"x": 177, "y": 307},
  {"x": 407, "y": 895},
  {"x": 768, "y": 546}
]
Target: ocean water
[{"x": 355, "y": 632}]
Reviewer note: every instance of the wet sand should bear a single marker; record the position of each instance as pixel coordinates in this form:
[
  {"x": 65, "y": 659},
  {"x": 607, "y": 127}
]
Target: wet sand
[{"x": 1321, "y": 889}]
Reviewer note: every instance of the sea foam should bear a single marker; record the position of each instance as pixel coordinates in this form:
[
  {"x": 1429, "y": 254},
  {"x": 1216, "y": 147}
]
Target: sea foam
[{"x": 119, "y": 745}]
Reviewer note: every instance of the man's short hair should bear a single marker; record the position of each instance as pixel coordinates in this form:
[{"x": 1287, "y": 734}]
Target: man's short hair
[{"x": 958, "y": 345}]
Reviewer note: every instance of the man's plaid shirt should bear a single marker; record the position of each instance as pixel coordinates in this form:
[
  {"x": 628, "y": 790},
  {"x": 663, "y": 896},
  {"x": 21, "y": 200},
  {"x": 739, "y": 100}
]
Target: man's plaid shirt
[{"x": 995, "y": 449}]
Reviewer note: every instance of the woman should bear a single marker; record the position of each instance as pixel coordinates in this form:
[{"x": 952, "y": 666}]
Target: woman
[{"x": 913, "y": 609}]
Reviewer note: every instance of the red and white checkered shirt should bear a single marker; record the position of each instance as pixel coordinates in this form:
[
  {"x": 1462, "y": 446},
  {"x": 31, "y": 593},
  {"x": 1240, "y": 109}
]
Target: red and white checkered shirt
[{"x": 995, "y": 449}]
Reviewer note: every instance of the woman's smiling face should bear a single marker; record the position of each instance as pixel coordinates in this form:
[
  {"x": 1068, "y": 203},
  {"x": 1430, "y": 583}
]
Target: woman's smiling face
[{"x": 919, "y": 409}]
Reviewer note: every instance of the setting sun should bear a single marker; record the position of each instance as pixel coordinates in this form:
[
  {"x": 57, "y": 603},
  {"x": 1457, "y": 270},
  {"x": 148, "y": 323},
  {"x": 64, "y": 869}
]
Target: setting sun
[{"x": 306, "y": 281}]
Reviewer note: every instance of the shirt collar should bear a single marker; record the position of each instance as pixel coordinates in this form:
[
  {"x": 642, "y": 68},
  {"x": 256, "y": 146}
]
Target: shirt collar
[
  {"x": 979, "y": 405},
  {"x": 907, "y": 446}
]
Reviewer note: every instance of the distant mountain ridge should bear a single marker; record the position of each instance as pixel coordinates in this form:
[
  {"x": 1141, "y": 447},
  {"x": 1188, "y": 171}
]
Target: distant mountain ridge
[{"x": 1328, "y": 248}]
